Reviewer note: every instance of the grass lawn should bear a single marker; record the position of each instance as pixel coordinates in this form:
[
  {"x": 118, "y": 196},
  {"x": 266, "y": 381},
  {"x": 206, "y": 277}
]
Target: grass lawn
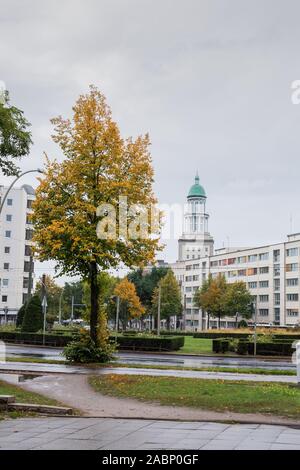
[
  {"x": 22, "y": 396},
  {"x": 196, "y": 346},
  {"x": 218, "y": 395}
]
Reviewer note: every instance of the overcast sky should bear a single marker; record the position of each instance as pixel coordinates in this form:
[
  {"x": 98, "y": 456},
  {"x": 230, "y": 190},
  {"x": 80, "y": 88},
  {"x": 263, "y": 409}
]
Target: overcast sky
[{"x": 209, "y": 80}]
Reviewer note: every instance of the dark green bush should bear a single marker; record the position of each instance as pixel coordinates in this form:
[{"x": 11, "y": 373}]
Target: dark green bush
[
  {"x": 33, "y": 317},
  {"x": 35, "y": 338}
]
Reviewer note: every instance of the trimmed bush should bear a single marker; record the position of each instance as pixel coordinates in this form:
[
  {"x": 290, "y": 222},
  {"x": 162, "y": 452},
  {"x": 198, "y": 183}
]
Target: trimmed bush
[
  {"x": 148, "y": 343},
  {"x": 215, "y": 335},
  {"x": 33, "y": 317}
]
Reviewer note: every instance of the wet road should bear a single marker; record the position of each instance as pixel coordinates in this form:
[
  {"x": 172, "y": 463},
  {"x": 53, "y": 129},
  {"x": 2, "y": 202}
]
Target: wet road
[
  {"x": 157, "y": 359},
  {"x": 40, "y": 369}
]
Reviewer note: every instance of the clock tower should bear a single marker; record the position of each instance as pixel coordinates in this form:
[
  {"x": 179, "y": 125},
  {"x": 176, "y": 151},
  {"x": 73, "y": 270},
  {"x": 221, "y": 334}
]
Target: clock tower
[{"x": 195, "y": 241}]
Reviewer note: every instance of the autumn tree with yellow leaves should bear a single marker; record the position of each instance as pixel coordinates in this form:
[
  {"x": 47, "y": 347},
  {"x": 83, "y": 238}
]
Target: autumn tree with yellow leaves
[
  {"x": 130, "y": 304},
  {"x": 99, "y": 167}
]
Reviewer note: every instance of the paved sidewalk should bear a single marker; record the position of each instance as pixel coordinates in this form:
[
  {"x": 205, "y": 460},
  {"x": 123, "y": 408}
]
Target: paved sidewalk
[{"x": 121, "y": 434}]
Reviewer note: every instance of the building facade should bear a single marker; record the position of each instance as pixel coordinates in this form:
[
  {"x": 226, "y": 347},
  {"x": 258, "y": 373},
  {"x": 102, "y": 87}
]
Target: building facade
[
  {"x": 270, "y": 272},
  {"x": 15, "y": 249}
]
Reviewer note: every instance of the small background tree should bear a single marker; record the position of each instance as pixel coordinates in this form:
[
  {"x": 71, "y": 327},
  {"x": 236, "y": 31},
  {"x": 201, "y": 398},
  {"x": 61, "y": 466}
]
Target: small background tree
[
  {"x": 170, "y": 298},
  {"x": 33, "y": 318},
  {"x": 237, "y": 301},
  {"x": 130, "y": 304}
]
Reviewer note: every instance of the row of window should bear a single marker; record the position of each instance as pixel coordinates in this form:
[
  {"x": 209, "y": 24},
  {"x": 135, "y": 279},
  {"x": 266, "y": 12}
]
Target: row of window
[
  {"x": 9, "y": 202},
  {"x": 28, "y": 234},
  {"x": 5, "y": 282},
  {"x": 27, "y": 251},
  {"x": 255, "y": 257},
  {"x": 262, "y": 312},
  {"x": 26, "y": 266}
]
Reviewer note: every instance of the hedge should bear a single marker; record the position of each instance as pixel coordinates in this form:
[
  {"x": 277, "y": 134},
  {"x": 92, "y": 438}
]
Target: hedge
[
  {"x": 147, "y": 343},
  {"x": 135, "y": 343},
  {"x": 284, "y": 348},
  {"x": 217, "y": 334},
  {"x": 35, "y": 338}
]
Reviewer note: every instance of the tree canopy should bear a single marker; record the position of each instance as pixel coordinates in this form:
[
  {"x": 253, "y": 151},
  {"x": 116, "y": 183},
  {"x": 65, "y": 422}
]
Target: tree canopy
[
  {"x": 99, "y": 167},
  {"x": 15, "y": 138},
  {"x": 145, "y": 283}
]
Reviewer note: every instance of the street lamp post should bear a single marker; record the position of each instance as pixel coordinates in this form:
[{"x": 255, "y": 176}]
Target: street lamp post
[
  {"x": 38, "y": 170},
  {"x": 255, "y": 330}
]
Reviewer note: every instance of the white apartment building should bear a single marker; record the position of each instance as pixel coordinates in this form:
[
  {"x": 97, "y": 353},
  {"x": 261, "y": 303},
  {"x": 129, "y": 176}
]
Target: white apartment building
[
  {"x": 15, "y": 249},
  {"x": 271, "y": 272}
]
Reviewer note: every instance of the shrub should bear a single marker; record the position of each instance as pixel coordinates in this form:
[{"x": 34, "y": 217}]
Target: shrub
[
  {"x": 242, "y": 347},
  {"x": 20, "y": 315},
  {"x": 242, "y": 324},
  {"x": 33, "y": 317},
  {"x": 83, "y": 350}
]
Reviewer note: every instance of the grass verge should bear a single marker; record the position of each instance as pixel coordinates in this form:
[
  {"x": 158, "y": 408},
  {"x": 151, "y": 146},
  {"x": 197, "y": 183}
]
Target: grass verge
[
  {"x": 242, "y": 397},
  {"x": 23, "y": 396}
]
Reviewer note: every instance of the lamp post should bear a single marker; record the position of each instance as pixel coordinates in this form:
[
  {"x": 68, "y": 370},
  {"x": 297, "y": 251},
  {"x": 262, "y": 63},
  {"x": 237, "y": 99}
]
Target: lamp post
[
  {"x": 38, "y": 170},
  {"x": 255, "y": 322}
]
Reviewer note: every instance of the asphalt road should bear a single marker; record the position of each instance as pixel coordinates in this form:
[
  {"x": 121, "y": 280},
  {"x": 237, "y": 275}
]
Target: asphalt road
[
  {"x": 157, "y": 359},
  {"x": 40, "y": 369}
]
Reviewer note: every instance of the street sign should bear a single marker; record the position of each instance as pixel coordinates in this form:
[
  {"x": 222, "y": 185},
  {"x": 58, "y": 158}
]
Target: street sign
[{"x": 44, "y": 302}]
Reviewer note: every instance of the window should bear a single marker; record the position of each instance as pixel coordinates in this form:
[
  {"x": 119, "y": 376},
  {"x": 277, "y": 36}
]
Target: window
[
  {"x": 25, "y": 297},
  {"x": 8, "y": 217},
  {"x": 7, "y": 233},
  {"x": 242, "y": 272},
  {"x": 292, "y": 282},
  {"x": 291, "y": 312},
  {"x": 27, "y": 266},
  {"x": 252, "y": 285},
  {"x": 264, "y": 270},
  {"x": 28, "y": 219},
  {"x": 265, "y": 283},
  {"x": 5, "y": 282},
  {"x": 28, "y": 250},
  {"x": 9, "y": 202},
  {"x": 231, "y": 261},
  {"x": 276, "y": 255},
  {"x": 188, "y": 278},
  {"x": 4, "y": 298},
  {"x": 276, "y": 269},
  {"x": 264, "y": 298},
  {"x": 263, "y": 256},
  {"x": 241, "y": 259},
  {"x": 292, "y": 252},
  {"x": 188, "y": 289},
  {"x": 292, "y": 297},
  {"x": 277, "y": 284},
  {"x": 263, "y": 312},
  {"x": 251, "y": 271},
  {"x": 6, "y": 266},
  {"x": 277, "y": 299},
  {"x": 7, "y": 249},
  {"x": 252, "y": 258},
  {"x": 29, "y": 203},
  {"x": 189, "y": 267},
  {"x": 195, "y": 278},
  {"x": 188, "y": 300},
  {"x": 28, "y": 234},
  {"x": 292, "y": 267},
  {"x": 277, "y": 315}
]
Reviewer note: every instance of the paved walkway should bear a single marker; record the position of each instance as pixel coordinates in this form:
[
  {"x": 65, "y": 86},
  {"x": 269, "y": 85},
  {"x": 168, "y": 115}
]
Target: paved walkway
[{"x": 121, "y": 434}]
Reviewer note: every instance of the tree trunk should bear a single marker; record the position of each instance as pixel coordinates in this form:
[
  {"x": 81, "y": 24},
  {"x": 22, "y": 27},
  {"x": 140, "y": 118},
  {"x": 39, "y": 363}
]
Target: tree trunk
[
  {"x": 94, "y": 301},
  {"x": 208, "y": 318},
  {"x": 219, "y": 321}
]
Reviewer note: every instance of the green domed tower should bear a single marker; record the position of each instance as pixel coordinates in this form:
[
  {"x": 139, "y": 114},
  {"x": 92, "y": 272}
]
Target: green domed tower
[{"x": 195, "y": 241}]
